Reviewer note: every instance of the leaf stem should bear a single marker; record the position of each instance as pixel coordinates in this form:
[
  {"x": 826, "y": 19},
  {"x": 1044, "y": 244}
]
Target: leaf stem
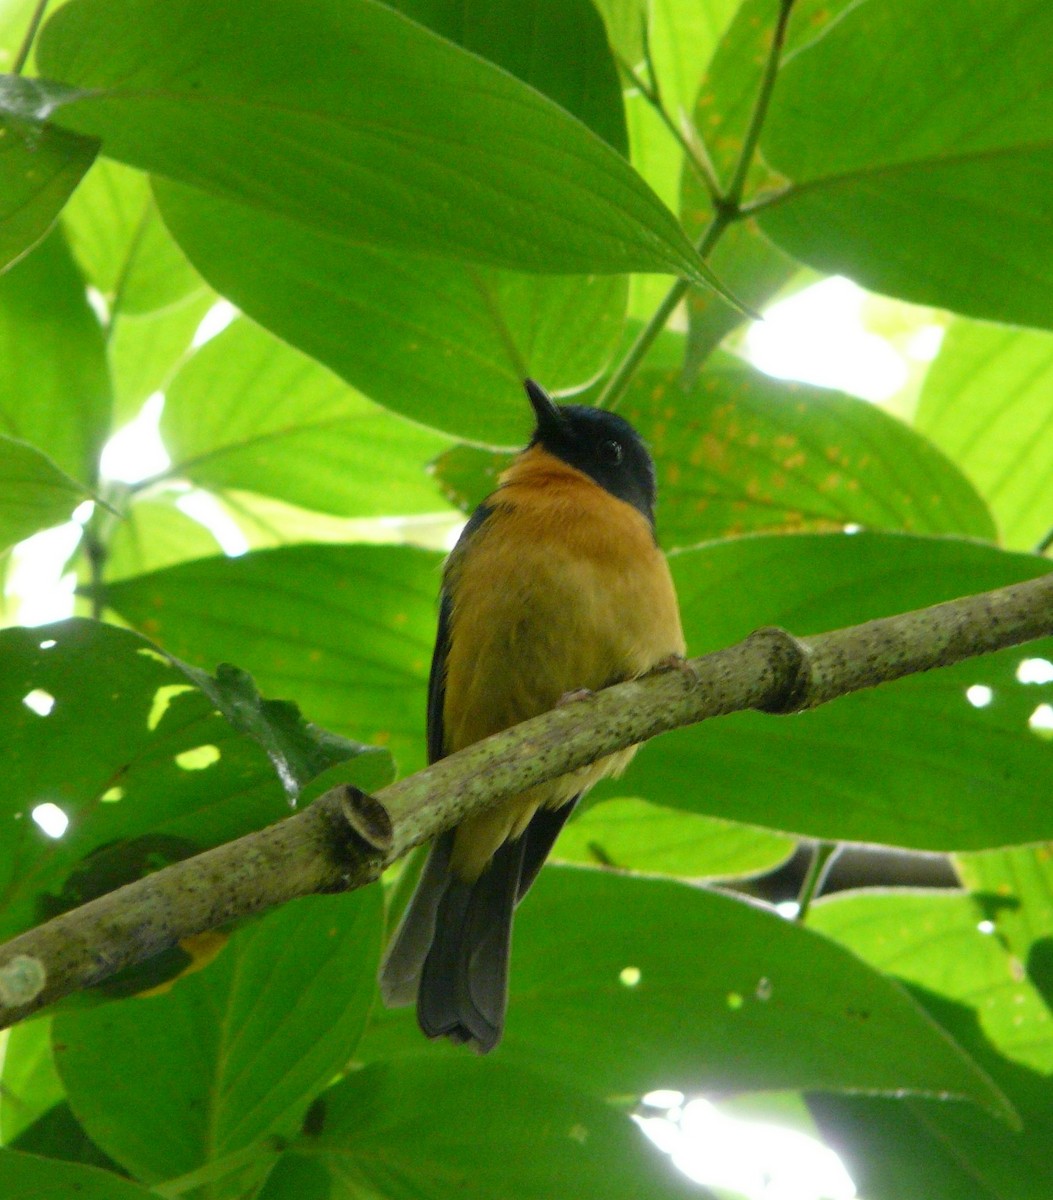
[
  {"x": 697, "y": 160},
  {"x": 727, "y": 209},
  {"x": 615, "y": 387},
  {"x": 27, "y": 42},
  {"x": 818, "y": 869},
  {"x": 1045, "y": 543},
  {"x": 733, "y": 196}
]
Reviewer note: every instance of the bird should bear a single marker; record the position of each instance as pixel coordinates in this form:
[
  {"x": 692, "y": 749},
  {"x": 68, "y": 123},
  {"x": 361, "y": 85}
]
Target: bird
[{"x": 556, "y": 587}]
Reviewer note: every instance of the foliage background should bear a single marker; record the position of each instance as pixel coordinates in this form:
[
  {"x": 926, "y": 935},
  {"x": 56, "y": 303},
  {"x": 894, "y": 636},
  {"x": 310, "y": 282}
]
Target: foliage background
[{"x": 411, "y": 207}]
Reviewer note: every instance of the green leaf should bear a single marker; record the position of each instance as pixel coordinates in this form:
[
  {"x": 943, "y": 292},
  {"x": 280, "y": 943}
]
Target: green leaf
[
  {"x": 116, "y": 235},
  {"x": 57, "y": 1134},
  {"x": 34, "y": 493},
  {"x": 347, "y": 630},
  {"x": 39, "y": 168},
  {"x": 444, "y": 344},
  {"x": 913, "y": 763},
  {"x": 1015, "y": 890},
  {"x": 29, "y": 1084},
  {"x": 972, "y": 987},
  {"x": 271, "y": 1021},
  {"x": 153, "y": 534},
  {"x": 984, "y": 403},
  {"x": 683, "y": 37},
  {"x": 54, "y": 388},
  {"x": 738, "y": 994},
  {"x": 894, "y": 181},
  {"x": 637, "y": 836},
  {"x": 530, "y": 40},
  {"x": 146, "y": 350},
  {"x": 25, "y": 1175},
  {"x": 247, "y": 411},
  {"x": 436, "y": 1130},
  {"x": 97, "y": 723},
  {"x": 299, "y": 751},
  {"x": 739, "y": 452},
  {"x": 427, "y": 147}
]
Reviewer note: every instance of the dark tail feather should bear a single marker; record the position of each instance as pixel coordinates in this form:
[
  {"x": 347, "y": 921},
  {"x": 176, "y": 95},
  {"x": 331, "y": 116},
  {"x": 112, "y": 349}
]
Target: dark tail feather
[{"x": 452, "y": 948}]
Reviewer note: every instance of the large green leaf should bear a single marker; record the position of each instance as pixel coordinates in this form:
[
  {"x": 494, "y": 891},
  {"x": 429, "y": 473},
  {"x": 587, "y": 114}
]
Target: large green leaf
[
  {"x": 39, "y": 168},
  {"x": 117, "y": 237},
  {"x": 918, "y": 144},
  {"x": 27, "y": 1177},
  {"x": 448, "y": 344},
  {"x": 738, "y": 452},
  {"x": 247, "y": 411},
  {"x": 346, "y": 630},
  {"x": 54, "y": 388},
  {"x": 623, "y": 984},
  {"x": 485, "y": 1130},
  {"x": 985, "y": 403},
  {"x": 443, "y": 342},
  {"x": 634, "y": 835},
  {"x": 34, "y": 493},
  {"x": 426, "y": 147},
  {"x": 915, "y": 763},
  {"x": 98, "y": 724},
  {"x": 974, "y": 989},
  {"x": 236, "y": 1051}
]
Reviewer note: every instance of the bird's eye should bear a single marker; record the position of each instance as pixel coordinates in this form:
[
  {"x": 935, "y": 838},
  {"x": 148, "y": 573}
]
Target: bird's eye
[{"x": 612, "y": 452}]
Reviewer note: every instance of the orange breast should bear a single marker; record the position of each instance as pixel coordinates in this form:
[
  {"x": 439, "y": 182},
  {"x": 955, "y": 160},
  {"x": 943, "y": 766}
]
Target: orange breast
[{"x": 563, "y": 589}]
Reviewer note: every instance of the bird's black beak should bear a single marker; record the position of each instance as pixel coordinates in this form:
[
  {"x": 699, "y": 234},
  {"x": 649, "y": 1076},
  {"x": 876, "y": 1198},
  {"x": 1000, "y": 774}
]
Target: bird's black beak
[{"x": 549, "y": 418}]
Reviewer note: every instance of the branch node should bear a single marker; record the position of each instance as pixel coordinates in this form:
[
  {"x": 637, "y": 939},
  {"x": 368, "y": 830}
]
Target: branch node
[
  {"x": 790, "y": 670},
  {"x": 22, "y": 979},
  {"x": 368, "y": 818}
]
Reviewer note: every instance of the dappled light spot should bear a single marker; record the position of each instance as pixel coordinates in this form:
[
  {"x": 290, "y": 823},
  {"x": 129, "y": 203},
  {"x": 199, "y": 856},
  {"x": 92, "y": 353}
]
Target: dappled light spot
[
  {"x": 113, "y": 795},
  {"x": 1041, "y": 721},
  {"x": 763, "y": 989},
  {"x": 734, "y": 1001},
  {"x": 50, "y": 819},
  {"x": 979, "y": 695},
  {"x": 156, "y": 655},
  {"x": 1035, "y": 670},
  {"x": 749, "y": 1157},
  {"x": 664, "y": 1098},
  {"x": 48, "y": 644},
  {"x": 788, "y": 909},
  {"x": 163, "y": 697},
  {"x": 197, "y": 759},
  {"x": 629, "y": 977},
  {"x": 39, "y": 701},
  {"x": 986, "y": 927}
]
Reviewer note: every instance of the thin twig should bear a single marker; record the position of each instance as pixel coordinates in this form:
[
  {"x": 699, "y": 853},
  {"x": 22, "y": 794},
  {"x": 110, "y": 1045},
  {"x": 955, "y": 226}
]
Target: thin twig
[{"x": 22, "y": 56}]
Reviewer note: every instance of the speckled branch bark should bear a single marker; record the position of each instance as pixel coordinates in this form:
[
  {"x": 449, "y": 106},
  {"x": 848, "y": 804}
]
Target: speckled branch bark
[{"x": 344, "y": 840}]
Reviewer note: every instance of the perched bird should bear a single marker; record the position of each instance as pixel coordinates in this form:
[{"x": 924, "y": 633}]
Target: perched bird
[{"x": 556, "y": 585}]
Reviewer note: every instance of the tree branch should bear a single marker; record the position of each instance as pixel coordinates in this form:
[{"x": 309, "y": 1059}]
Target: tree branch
[{"x": 345, "y": 839}]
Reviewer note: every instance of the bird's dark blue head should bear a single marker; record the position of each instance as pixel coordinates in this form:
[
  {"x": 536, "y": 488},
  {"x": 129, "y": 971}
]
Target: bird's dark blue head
[{"x": 600, "y": 444}]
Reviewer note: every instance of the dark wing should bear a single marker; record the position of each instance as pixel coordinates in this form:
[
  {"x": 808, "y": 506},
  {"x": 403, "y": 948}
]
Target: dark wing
[{"x": 437, "y": 676}]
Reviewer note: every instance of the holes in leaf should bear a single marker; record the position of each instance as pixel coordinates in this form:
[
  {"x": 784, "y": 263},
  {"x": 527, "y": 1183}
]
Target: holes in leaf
[
  {"x": 197, "y": 759},
  {"x": 39, "y": 701},
  {"x": 50, "y": 819}
]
